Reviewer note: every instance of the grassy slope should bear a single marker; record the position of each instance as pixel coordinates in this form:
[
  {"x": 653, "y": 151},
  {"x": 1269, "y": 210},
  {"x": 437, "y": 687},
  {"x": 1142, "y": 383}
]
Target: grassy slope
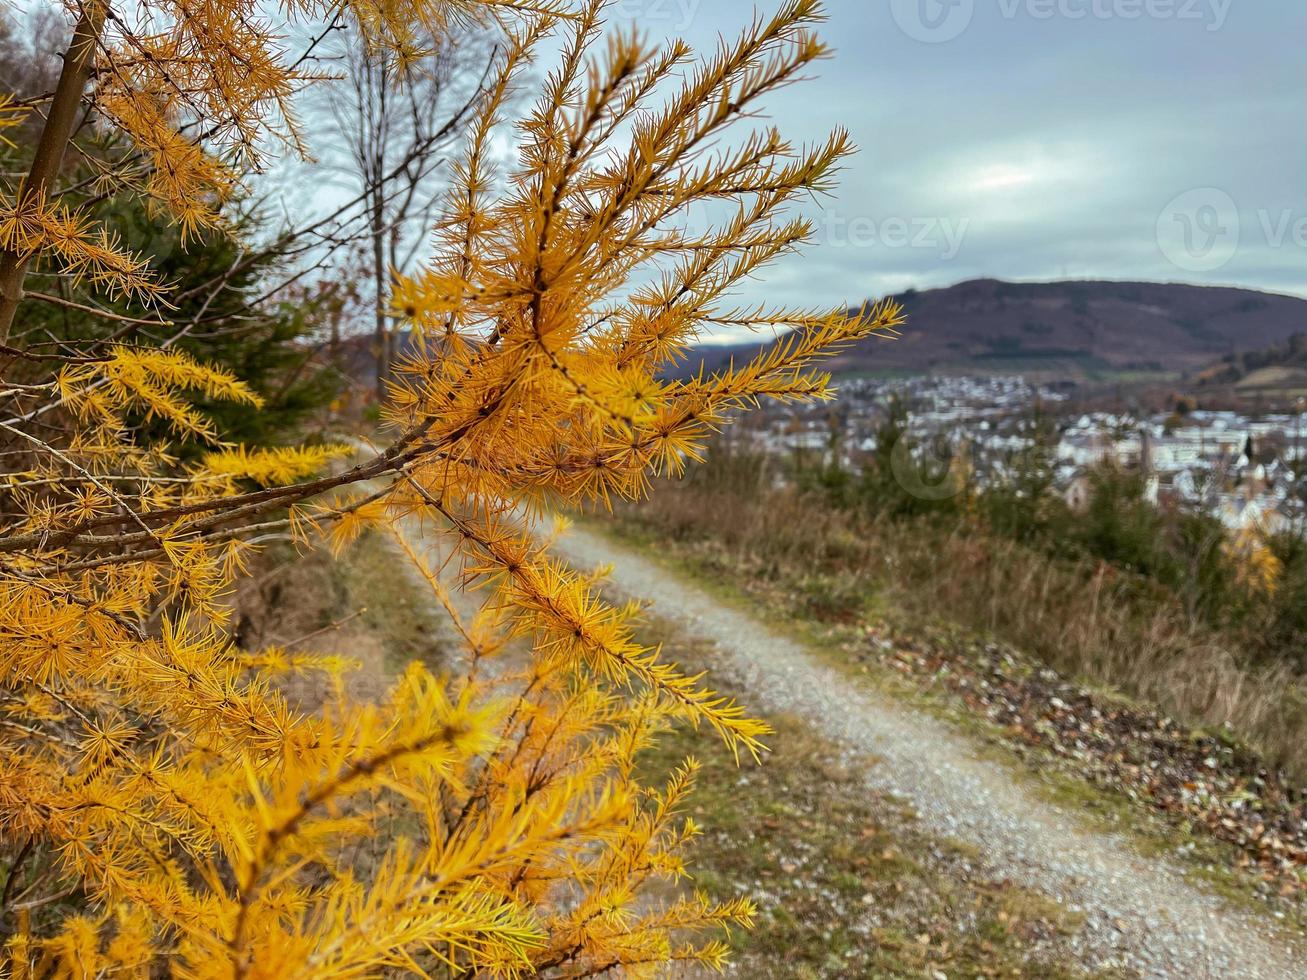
[{"x": 848, "y": 883}]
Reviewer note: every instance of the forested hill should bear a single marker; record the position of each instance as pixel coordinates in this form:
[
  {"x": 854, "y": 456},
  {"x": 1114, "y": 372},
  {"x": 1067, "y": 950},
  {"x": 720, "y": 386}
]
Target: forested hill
[
  {"x": 1073, "y": 328},
  {"x": 1280, "y": 367}
]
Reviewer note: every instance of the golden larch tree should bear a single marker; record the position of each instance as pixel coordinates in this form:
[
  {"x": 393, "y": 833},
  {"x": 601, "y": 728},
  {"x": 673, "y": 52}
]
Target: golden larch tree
[{"x": 164, "y": 805}]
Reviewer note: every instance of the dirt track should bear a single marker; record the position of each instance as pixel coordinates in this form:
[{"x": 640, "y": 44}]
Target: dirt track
[{"x": 1142, "y": 914}]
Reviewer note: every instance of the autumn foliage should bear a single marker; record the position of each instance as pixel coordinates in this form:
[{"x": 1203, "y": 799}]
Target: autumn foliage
[{"x": 164, "y": 803}]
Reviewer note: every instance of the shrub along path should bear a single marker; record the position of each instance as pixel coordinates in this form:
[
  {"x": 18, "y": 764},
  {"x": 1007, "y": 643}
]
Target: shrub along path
[{"x": 1140, "y": 913}]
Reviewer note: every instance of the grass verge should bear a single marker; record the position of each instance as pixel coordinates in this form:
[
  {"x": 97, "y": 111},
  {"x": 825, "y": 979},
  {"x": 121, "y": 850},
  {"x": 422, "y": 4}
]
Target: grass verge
[
  {"x": 357, "y": 606},
  {"x": 784, "y": 598}
]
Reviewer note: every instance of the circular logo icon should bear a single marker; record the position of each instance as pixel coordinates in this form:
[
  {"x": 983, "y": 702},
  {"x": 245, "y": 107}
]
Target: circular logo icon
[
  {"x": 932, "y": 21},
  {"x": 1199, "y": 230},
  {"x": 129, "y": 222},
  {"x": 930, "y": 476}
]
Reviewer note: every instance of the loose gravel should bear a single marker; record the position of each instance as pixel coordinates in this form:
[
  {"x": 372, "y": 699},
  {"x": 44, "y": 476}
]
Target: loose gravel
[{"x": 1141, "y": 913}]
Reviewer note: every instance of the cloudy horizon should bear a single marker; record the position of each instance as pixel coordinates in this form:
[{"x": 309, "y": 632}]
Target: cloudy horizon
[{"x": 1041, "y": 139}]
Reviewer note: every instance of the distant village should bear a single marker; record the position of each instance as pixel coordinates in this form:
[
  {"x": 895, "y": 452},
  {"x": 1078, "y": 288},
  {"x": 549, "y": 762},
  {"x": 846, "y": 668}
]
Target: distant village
[{"x": 1242, "y": 468}]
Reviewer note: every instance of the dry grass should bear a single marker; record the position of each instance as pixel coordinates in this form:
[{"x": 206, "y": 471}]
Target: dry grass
[
  {"x": 847, "y": 881},
  {"x": 363, "y": 606},
  {"x": 1086, "y": 621}
]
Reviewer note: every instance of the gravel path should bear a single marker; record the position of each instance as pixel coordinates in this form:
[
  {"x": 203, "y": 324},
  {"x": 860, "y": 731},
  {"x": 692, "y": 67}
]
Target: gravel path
[{"x": 1141, "y": 913}]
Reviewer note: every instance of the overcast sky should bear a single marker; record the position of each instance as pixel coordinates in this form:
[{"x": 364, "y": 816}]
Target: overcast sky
[{"x": 1041, "y": 139}]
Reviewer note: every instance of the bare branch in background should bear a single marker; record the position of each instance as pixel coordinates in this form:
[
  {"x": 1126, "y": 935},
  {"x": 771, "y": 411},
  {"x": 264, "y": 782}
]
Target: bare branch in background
[{"x": 393, "y": 127}]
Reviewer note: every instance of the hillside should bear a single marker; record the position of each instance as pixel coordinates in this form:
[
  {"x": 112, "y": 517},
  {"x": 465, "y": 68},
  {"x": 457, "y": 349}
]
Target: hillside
[
  {"x": 1277, "y": 371},
  {"x": 1074, "y": 329}
]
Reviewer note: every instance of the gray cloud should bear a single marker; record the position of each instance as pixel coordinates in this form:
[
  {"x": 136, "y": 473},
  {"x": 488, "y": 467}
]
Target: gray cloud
[{"x": 1058, "y": 135}]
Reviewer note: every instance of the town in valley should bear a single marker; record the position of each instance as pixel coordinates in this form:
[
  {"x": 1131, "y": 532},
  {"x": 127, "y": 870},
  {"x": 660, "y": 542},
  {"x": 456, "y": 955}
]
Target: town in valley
[{"x": 1240, "y": 465}]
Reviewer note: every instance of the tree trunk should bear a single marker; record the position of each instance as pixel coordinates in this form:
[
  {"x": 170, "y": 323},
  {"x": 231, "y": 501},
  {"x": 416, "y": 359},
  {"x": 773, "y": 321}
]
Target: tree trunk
[
  {"x": 379, "y": 278},
  {"x": 50, "y": 148}
]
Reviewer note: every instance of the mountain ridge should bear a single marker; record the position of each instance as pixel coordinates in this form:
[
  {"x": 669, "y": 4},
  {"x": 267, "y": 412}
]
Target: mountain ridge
[{"x": 1066, "y": 328}]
